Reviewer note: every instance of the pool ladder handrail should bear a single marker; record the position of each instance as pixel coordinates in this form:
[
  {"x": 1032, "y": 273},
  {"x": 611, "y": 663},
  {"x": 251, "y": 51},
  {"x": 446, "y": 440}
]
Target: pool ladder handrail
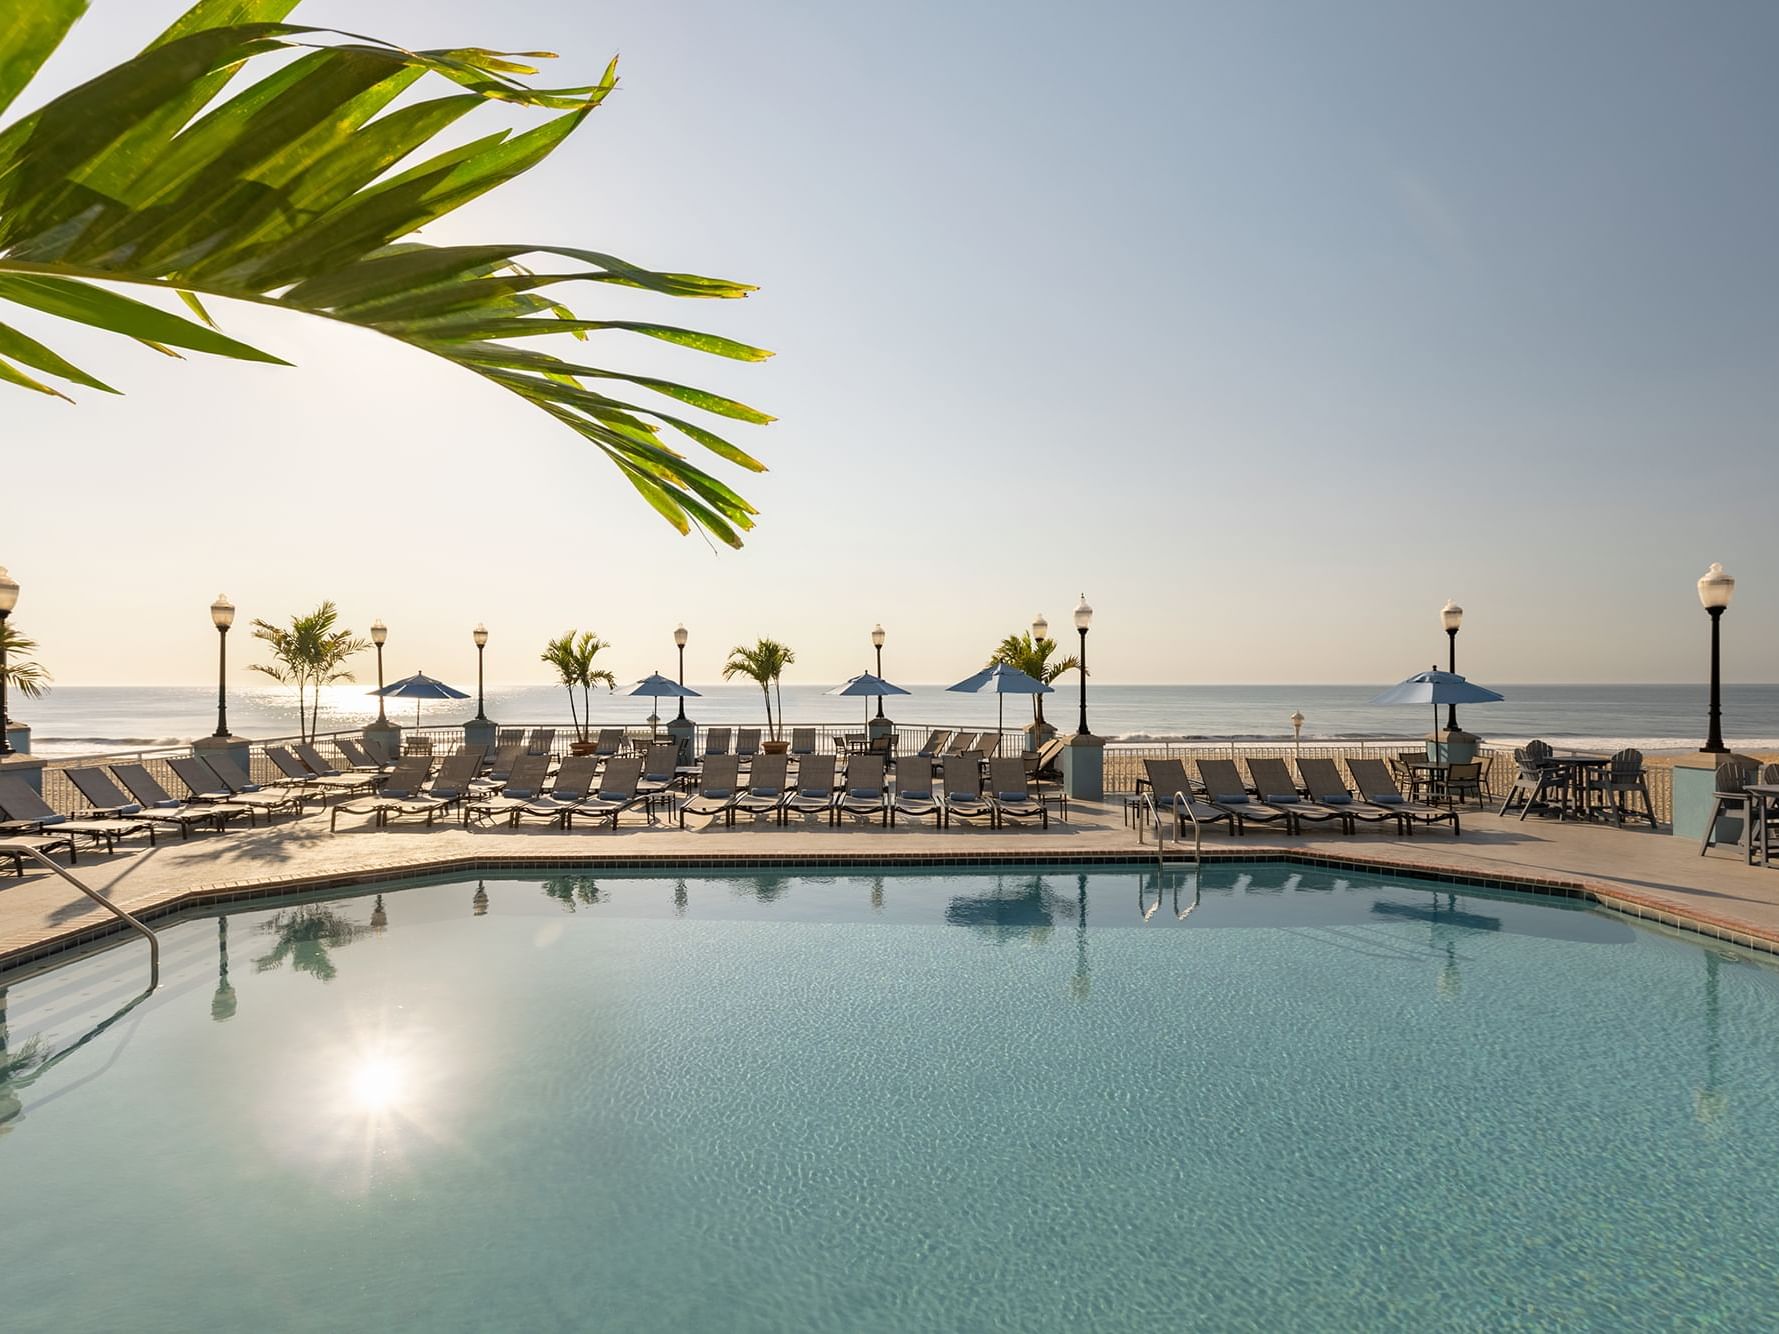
[
  {"x": 154, "y": 941},
  {"x": 1180, "y": 803}
]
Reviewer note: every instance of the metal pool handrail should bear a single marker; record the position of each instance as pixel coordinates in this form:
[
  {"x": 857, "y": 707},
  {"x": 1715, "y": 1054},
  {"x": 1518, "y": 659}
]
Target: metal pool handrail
[
  {"x": 154, "y": 941},
  {"x": 1180, "y": 803}
]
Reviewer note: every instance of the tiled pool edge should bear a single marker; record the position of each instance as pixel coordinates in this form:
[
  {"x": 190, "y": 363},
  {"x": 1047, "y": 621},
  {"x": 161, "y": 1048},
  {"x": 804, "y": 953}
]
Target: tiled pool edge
[{"x": 1600, "y": 893}]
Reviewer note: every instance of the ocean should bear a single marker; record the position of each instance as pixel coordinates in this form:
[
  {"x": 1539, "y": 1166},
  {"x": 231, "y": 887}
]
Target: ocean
[{"x": 75, "y": 720}]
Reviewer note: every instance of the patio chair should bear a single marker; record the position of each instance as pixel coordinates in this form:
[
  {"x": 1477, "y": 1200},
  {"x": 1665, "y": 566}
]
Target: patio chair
[
  {"x": 766, "y": 791},
  {"x": 1377, "y": 787},
  {"x": 963, "y": 790},
  {"x": 814, "y": 793},
  {"x": 802, "y": 742},
  {"x": 510, "y": 736},
  {"x": 146, "y": 789},
  {"x": 1730, "y": 800},
  {"x": 1012, "y": 796},
  {"x": 1322, "y": 778},
  {"x": 1535, "y": 784},
  {"x": 26, "y": 813},
  {"x": 357, "y": 756},
  {"x": 273, "y": 796},
  {"x": 1225, "y": 791},
  {"x": 618, "y": 790},
  {"x": 1404, "y": 772},
  {"x": 1538, "y": 751},
  {"x": 109, "y": 802},
  {"x": 1483, "y": 779},
  {"x": 716, "y": 741},
  {"x": 524, "y": 784},
  {"x": 1273, "y": 781},
  {"x": 417, "y": 745},
  {"x": 403, "y": 786},
  {"x": 747, "y": 743},
  {"x": 1050, "y": 758},
  {"x": 608, "y": 743},
  {"x": 1622, "y": 779},
  {"x": 1461, "y": 781},
  {"x": 717, "y": 790},
  {"x": 987, "y": 744},
  {"x": 230, "y": 786},
  {"x": 19, "y": 846},
  {"x": 914, "y": 792},
  {"x": 1168, "y": 780},
  {"x": 574, "y": 777},
  {"x": 660, "y": 769},
  {"x": 961, "y": 743},
  {"x": 329, "y": 778},
  {"x": 934, "y": 744},
  {"x": 863, "y": 792},
  {"x": 541, "y": 741},
  {"x": 499, "y": 768}
]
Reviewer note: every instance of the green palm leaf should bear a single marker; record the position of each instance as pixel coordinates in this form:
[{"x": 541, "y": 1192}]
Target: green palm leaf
[{"x": 300, "y": 190}]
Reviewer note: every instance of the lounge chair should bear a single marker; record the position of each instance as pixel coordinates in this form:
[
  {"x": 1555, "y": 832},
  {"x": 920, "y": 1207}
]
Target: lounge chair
[
  {"x": 541, "y": 741},
  {"x": 609, "y": 742},
  {"x": 961, "y": 743},
  {"x": 618, "y": 790},
  {"x": 747, "y": 743},
  {"x": 814, "y": 793},
  {"x": 766, "y": 790},
  {"x": 802, "y": 741},
  {"x": 934, "y": 745},
  {"x": 329, "y": 776},
  {"x": 863, "y": 792},
  {"x": 20, "y": 846},
  {"x": 1224, "y": 790},
  {"x": 505, "y": 757},
  {"x": 26, "y": 813},
  {"x": 1013, "y": 799},
  {"x": 914, "y": 791},
  {"x": 274, "y": 796},
  {"x": 1322, "y": 778},
  {"x": 1377, "y": 787},
  {"x": 455, "y": 777},
  {"x": 417, "y": 745},
  {"x": 963, "y": 790},
  {"x": 573, "y": 779},
  {"x": 510, "y": 736},
  {"x": 660, "y": 768},
  {"x": 358, "y": 757},
  {"x": 403, "y": 787},
  {"x": 716, "y": 793},
  {"x": 1050, "y": 758},
  {"x": 716, "y": 741},
  {"x": 523, "y": 785},
  {"x": 987, "y": 744},
  {"x": 207, "y": 783},
  {"x": 110, "y": 802},
  {"x": 1273, "y": 781},
  {"x": 1168, "y": 780},
  {"x": 147, "y": 789}
]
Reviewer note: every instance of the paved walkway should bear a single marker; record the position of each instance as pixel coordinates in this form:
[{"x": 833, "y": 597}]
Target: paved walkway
[{"x": 1645, "y": 872}]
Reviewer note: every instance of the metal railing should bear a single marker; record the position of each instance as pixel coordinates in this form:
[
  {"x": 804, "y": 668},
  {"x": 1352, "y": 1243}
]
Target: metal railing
[
  {"x": 1181, "y": 806},
  {"x": 154, "y": 941}
]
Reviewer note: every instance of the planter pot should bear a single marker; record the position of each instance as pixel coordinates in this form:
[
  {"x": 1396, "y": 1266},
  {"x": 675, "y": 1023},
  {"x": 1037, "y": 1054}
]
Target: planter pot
[
  {"x": 582, "y": 747},
  {"x": 775, "y": 747}
]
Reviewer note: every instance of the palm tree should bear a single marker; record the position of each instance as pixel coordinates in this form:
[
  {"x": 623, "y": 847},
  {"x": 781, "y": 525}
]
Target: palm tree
[
  {"x": 763, "y": 664},
  {"x": 572, "y": 658},
  {"x": 29, "y": 678},
  {"x": 1033, "y": 658},
  {"x": 311, "y": 651},
  {"x": 176, "y": 173}
]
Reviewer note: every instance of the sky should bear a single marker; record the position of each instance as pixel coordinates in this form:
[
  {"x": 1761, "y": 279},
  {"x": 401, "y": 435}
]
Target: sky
[{"x": 1268, "y": 327}]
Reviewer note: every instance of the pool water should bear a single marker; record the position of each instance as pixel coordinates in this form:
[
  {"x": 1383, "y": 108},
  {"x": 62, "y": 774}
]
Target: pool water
[{"x": 1281, "y": 1099}]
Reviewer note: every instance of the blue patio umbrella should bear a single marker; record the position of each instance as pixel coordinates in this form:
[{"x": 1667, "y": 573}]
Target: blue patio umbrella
[
  {"x": 1002, "y": 681},
  {"x": 869, "y": 686},
  {"x": 417, "y": 687},
  {"x": 657, "y": 687},
  {"x": 1434, "y": 687}
]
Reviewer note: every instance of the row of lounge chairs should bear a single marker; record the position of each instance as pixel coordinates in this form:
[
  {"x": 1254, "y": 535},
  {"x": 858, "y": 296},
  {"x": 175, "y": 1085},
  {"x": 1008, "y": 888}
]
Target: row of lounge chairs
[
  {"x": 1272, "y": 797},
  {"x": 866, "y": 790}
]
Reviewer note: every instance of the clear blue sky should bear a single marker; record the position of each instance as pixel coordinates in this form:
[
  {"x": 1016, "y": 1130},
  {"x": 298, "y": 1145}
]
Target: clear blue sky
[{"x": 1268, "y": 326}]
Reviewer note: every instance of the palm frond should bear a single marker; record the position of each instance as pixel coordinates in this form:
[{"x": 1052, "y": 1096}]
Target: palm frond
[{"x": 299, "y": 190}]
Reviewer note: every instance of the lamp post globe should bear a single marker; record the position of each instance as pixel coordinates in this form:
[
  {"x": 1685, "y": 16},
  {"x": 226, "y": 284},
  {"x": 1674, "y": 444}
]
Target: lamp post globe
[
  {"x": 1451, "y": 616},
  {"x": 679, "y": 642},
  {"x": 480, "y": 635},
  {"x": 1297, "y": 730},
  {"x": 222, "y": 616},
  {"x": 9, "y": 598},
  {"x": 877, "y": 638},
  {"x": 1715, "y": 590},
  {"x": 380, "y": 636},
  {"x": 1083, "y": 619},
  {"x": 1040, "y": 628}
]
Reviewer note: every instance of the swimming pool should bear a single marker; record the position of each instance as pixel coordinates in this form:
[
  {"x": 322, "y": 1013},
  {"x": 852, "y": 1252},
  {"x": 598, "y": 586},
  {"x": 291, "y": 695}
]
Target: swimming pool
[{"x": 915, "y": 1100}]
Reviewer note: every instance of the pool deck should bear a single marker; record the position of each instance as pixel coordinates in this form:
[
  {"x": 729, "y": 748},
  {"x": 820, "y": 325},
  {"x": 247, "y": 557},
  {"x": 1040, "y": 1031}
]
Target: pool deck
[{"x": 1640, "y": 871}]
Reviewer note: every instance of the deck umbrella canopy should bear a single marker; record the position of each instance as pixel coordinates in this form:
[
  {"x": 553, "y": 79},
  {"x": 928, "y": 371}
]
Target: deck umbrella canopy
[{"x": 417, "y": 687}]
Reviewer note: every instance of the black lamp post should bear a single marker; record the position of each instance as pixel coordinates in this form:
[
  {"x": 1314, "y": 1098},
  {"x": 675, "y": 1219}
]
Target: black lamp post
[
  {"x": 9, "y": 598},
  {"x": 877, "y": 643},
  {"x": 481, "y": 638},
  {"x": 379, "y": 633},
  {"x": 1083, "y": 618},
  {"x": 1451, "y": 615},
  {"x": 222, "y": 616},
  {"x": 679, "y": 642},
  {"x": 1715, "y": 588}
]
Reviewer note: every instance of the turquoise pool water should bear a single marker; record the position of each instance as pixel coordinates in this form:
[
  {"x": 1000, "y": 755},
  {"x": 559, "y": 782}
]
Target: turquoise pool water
[{"x": 909, "y": 1101}]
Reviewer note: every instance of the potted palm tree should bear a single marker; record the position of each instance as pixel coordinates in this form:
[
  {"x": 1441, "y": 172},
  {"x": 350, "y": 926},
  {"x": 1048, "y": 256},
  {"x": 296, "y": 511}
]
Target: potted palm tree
[
  {"x": 763, "y": 664},
  {"x": 1033, "y": 657},
  {"x": 572, "y": 656},
  {"x": 23, "y": 676}
]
